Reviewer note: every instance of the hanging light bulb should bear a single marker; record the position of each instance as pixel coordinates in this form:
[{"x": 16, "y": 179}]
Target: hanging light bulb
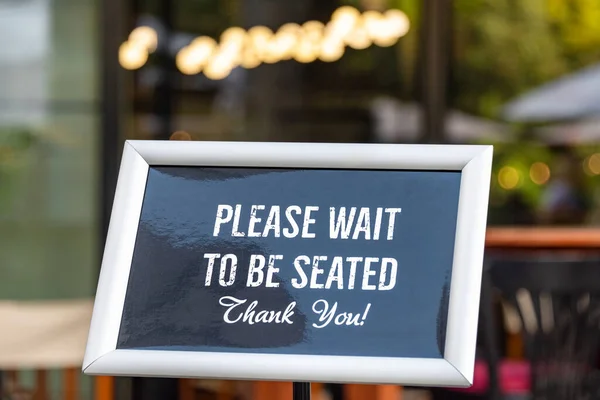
[
  {"x": 144, "y": 36},
  {"x": 185, "y": 62},
  {"x": 203, "y": 44},
  {"x": 260, "y": 37},
  {"x": 373, "y": 22},
  {"x": 380, "y": 29},
  {"x": 313, "y": 33},
  {"x": 273, "y": 52},
  {"x": 399, "y": 22},
  {"x": 358, "y": 38},
  {"x": 231, "y": 51},
  {"x": 285, "y": 40},
  {"x": 332, "y": 49},
  {"x": 313, "y": 30},
  {"x": 306, "y": 51},
  {"x": 345, "y": 13},
  {"x": 219, "y": 67},
  {"x": 132, "y": 56},
  {"x": 216, "y": 73},
  {"x": 249, "y": 58},
  {"x": 234, "y": 34},
  {"x": 290, "y": 27},
  {"x": 343, "y": 20},
  {"x": 198, "y": 53},
  {"x": 385, "y": 36}
]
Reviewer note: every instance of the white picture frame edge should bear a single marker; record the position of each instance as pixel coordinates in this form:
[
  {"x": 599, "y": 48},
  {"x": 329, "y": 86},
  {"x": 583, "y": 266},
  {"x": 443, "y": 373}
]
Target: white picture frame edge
[{"x": 455, "y": 369}]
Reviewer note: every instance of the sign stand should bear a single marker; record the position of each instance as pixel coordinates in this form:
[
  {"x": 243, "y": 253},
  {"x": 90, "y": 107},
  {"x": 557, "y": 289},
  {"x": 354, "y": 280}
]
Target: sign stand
[
  {"x": 207, "y": 271},
  {"x": 301, "y": 391}
]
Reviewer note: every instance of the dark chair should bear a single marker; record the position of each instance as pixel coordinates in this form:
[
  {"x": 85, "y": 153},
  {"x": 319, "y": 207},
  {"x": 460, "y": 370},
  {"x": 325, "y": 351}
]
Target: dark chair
[{"x": 555, "y": 305}]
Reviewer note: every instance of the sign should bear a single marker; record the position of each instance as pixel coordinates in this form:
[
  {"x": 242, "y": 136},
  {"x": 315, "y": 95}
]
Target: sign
[{"x": 304, "y": 262}]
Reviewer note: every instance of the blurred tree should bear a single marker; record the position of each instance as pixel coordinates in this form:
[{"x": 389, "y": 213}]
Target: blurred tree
[
  {"x": 577, "y": 22},
  {"x": 505, "y": 47},
  {"x": 501, "y": 49}
]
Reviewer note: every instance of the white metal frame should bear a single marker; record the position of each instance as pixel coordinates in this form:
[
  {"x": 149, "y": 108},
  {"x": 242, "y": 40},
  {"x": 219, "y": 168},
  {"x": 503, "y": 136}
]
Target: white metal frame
[{"x": 455, "y": 369}]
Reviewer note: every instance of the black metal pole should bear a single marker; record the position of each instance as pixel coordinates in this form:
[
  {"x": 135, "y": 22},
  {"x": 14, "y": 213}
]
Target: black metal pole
[
  {"x": 301, "y": 391},
  {"x": 112, "y": 28},
  {"x": 154, "y": 389},
  {"x": 435, "y": 34},
  {"x": 163, "y": 98}
]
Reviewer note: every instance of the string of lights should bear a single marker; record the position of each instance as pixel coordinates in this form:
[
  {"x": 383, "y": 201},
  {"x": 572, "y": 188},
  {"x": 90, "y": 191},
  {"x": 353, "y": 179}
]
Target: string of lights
[{"x": 304, "y": 43}]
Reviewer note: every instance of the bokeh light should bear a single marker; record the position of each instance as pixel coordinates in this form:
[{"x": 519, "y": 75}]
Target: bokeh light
[
  {"x": 509, "y": 178},
  {"x": 358, "y": 38},
  {"x": 290, "y": 27},
  {"x": 305, "y": 43},
  {"x": 592, "y": 164},
  {"x": 185, "y": 62},
  {"x": 259, "y": 38},
  {"x": 219, "y": 67},
  {"x": 234, "y": 34},
  {"x": 250, "y": 59},
  {"x": 539, "y": 173},
  {"x": 332, "y": 50},
  {"x": 275, "y": 50},
  {"x": 373, "y": 23},
  {"x": 383, "y": 35},
  {"x": 205, "y": 42},
  {"x": 343, "y": 21},
  {"x": 132, "y": 56},
  {"x": 191, "y": 59},
  {"x": 145, "y": 37},
  {"x": 399, "y": 22},
  {"x": 313, "y": 30},
  {"x": 306, "y": 51},
  {"x": 285, "y": 41},
  {"x": 202, "y": 48},
  {"x": 232, "y": 52}
]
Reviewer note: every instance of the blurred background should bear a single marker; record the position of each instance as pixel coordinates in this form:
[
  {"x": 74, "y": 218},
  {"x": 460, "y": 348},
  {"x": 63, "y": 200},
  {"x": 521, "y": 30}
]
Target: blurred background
[{"x": 78, "y": 77}]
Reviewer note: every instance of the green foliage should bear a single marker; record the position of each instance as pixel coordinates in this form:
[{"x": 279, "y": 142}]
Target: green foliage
[
  {"x": 505, "y": 47},
  {"x": 578, "y": 23},
  {"x": 14, "y": 143},
  {"x": 520, "y": 156},
  {"x": 16, "y": 138}
]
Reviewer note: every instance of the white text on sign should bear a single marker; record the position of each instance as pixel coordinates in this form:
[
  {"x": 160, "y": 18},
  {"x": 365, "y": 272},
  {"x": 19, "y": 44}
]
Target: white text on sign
[
  {"x": 313, "y": 272},
  {"x": 344, "y": 223},
  {"x": 239, "y": 310}
]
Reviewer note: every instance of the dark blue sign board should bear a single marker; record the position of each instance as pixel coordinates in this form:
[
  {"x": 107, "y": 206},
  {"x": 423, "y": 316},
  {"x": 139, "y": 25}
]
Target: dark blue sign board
[{"x": 306, "y": 262}]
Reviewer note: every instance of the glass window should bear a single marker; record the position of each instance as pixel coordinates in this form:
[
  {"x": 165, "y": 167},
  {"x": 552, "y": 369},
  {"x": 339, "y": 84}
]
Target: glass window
[
  {"x": 48, "y": 149},
  {"x": 279, "y": 70}
]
